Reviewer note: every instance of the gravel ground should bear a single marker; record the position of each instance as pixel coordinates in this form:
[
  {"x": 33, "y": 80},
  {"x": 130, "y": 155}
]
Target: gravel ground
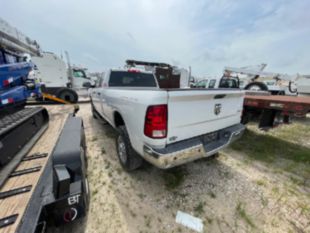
[{"x": 230, "y": 193}]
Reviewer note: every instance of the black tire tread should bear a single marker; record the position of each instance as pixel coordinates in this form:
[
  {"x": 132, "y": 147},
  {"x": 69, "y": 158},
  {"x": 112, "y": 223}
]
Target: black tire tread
[
  {"x": 261, "y": 85},
  {"x": 134, "y": 161}
]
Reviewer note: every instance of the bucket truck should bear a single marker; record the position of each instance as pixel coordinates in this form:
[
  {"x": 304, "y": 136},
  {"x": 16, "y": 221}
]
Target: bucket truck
[{"x": 250, "y": 78}]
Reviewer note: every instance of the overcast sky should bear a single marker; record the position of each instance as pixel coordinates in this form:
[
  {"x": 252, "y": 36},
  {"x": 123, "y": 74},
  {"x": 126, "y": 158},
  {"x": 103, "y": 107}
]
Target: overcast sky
[{"x": 204, "y": 34}]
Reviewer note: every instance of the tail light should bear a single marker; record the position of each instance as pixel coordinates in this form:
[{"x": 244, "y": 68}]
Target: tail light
[{"x": 156, "y": 118}]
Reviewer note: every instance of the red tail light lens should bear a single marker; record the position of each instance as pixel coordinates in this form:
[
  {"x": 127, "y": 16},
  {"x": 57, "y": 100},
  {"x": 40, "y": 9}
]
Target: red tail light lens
[{"x": 156, "y": 118}]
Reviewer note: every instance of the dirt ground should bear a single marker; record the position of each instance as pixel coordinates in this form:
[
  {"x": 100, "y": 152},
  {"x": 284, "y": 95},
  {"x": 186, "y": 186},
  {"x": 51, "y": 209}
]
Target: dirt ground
[{"x": 234, "y": 192}]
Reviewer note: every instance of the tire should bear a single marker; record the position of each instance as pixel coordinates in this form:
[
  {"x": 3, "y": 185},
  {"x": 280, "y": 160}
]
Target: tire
[
  {"x": 93, "y": 111},
  {"x": 128, "y": 157},
  {"x": 68, "y": 95},
  {"x": 257, "y": 86}
]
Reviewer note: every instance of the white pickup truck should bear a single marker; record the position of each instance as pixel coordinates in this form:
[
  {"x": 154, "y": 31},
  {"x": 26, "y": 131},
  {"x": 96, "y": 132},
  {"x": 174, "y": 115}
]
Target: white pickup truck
[{"x": 166, "y": 127}]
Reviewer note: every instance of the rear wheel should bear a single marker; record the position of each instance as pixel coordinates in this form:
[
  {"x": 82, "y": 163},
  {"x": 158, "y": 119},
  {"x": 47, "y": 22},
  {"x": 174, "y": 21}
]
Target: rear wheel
[
  {"x": 128, "y": 157},
  {"x": 68, "y": 95},
  {"x": 93, "y": 111}
]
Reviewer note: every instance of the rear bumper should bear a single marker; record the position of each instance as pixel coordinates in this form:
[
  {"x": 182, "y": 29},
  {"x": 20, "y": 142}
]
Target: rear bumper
[{"x": 191, "y": 149}]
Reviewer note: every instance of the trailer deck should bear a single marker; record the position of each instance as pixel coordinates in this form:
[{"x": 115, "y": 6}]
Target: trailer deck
[
  {"x": 291, "y": 104},
  {"x": 268, "y": 108},
  {"x": 28, "y": 172}
]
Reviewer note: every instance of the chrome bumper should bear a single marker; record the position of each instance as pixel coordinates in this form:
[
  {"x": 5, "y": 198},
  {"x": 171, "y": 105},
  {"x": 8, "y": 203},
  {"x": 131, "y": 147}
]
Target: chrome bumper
[{"x": 188, "y": 150}]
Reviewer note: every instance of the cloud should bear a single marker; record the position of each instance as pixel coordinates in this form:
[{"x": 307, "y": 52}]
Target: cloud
[{"x": 204, "y": 34}]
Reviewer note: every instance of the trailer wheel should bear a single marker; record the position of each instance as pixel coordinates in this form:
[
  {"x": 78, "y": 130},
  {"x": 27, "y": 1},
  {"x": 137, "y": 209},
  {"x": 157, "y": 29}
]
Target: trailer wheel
[
  {"x": 68, "y": 95},
  {"x": 256, "y": 86},
  {"x": 128, "y": 157}
]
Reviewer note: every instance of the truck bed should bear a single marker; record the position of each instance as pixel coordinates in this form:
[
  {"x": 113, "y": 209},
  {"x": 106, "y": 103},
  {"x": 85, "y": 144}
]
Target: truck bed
[{"x": 18, "y": 204}]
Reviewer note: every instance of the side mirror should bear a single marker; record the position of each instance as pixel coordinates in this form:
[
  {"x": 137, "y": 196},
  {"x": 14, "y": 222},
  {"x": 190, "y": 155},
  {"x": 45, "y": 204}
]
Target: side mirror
[{"x": 87, "y": 84}]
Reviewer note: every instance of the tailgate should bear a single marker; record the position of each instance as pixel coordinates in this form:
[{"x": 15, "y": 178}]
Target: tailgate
[{"x": 196, "y": 112}]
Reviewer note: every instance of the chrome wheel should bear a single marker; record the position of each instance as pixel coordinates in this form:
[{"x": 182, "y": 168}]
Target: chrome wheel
[{"x": 122, "y": 150}]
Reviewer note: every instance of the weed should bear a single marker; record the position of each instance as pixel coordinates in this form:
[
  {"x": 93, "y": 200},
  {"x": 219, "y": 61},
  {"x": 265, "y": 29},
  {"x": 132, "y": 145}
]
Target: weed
[
  {"x": 174, "y": 177},
  {"x": 95, "y": 192},
  {"x": 261, "y": 183},
  {"x": 94, "y": 139},
  {"x": 242, "y": 213},
  {"x": 147, "y": 221},
  {"x": 296, "y": 181},
  {"x": 199, "y": 208},
  {"x": 275, "y": 190},
  {"x": 209, "y": 220},
  {"x": 103, "y": 150},
  {"x": 133, "y": 214},
  {"x": 212, "y": 194},
  {"x": 119, "y": 170},
  {"x": 264, "y": 201},
  {"x": 141, "y": 195},
  {"x": 305, "y": 209},
  {"x": 108, "y": 165}
]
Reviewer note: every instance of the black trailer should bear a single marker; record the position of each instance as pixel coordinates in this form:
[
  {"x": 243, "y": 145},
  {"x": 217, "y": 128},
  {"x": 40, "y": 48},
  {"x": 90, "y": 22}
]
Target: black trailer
[{"x": 50, "y": 187}]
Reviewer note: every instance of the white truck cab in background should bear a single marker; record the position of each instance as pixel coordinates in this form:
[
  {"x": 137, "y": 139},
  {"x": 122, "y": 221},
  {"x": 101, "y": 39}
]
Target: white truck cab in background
[{"x": 52, "y": 71}]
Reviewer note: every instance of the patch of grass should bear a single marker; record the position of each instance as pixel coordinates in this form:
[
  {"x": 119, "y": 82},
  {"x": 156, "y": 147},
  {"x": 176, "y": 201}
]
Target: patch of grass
[
  {"x": 275, "y": 190},
  {"x": 207, "y": 220},
  {"x": 141, "y": 195},
  {"x": 296, "y": 181},
  {"x": 242, "y": 213},
  {"x": 212, "y": 194},
  {"x": 103, "y": 150},
  {"x": 199, "y": 208},
  {"x": 107, "y": 166},
  {"x": 133, "y": 214},
  {"x": 147, "y": 221},
  {"x": 267, "y": 148},
  {"x": 95, "y": 191},
  {"x": 264, "y": 201},
  {"x": 261, "y": 183},
  {"x": 174, "y": 177},
  {"x": 119, "y": 170},
  {"x": 305, "y": 209}
]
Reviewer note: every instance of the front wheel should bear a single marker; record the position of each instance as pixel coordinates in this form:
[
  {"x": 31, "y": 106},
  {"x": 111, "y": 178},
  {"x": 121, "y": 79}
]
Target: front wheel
[
  {"x": 128, "y": 157},
  {"x": 68, "y": 95}
]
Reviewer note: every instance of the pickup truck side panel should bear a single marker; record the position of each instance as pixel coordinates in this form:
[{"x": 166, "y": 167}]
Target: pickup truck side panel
[{"x": 131, "y": 104}]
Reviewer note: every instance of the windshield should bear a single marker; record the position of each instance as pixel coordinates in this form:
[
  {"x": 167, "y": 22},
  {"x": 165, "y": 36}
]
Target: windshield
[
  {"x": 131, "y": 79},
  {"x": 79, "y": 74}
]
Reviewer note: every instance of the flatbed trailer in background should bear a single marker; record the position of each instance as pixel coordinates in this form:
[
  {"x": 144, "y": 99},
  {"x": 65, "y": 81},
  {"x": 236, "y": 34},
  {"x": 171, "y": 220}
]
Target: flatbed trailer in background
[
  {"x": 274, "y": 109},
  {"x": 45, "y": 183}
]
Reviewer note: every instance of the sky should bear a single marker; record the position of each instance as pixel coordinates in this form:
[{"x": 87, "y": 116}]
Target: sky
[{"x": 204, "y": 34}]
